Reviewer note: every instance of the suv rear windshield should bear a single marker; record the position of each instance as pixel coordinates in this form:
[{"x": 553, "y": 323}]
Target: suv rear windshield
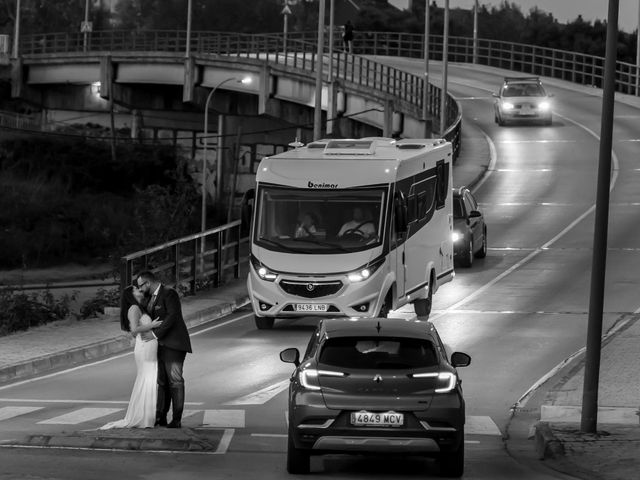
[{"x": 378, "y": 353}]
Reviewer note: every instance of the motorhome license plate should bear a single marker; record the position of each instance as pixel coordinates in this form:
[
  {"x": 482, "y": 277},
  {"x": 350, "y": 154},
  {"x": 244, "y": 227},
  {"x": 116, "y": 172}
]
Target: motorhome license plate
[
  {"x": 311, "y": 307},
  {"x": 377, "y": 419}
]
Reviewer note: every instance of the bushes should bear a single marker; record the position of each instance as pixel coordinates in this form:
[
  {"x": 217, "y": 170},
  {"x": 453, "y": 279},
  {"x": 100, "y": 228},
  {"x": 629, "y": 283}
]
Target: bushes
[
  {"x": 66, "y": 200},
  {"x": 104, "y": 298},
  {"x": 20, "y": 311}
]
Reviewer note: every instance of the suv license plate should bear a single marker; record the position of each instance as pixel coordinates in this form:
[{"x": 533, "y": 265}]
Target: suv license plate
[
  {"x": 383, "y": 419},
  {"x": 311, "y": 307}
]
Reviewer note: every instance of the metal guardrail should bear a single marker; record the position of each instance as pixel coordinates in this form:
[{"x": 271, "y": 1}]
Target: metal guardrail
[{"x": 216, "y": 254}]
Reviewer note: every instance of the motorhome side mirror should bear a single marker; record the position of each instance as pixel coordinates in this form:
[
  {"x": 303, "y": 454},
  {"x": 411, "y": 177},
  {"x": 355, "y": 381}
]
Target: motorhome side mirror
[
  {"x": 460, "y": 359},
  {"x": 474, "y": 214},
  {"x": 290, "y": 355},
  {"x": 246, "y": 209}
]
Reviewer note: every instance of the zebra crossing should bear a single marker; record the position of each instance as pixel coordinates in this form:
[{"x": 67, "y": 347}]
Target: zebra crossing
[{"x": 223, "y": 418}]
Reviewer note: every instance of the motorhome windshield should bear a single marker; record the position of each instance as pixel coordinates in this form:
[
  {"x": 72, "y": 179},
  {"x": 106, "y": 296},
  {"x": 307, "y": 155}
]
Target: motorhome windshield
[{"x": 295, "y": 220}]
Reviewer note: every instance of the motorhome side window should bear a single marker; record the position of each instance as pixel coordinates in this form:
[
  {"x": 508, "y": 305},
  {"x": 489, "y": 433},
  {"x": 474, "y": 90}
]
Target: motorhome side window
[
  {"x": 422, "y": 200},
  {"x": 307, "y": 220},
  {"x": 442, "y": 173}
]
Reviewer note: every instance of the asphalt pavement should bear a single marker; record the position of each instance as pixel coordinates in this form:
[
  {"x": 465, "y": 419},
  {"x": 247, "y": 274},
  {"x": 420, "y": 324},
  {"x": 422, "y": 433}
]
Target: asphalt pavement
[{"x": 544, "y": 430}]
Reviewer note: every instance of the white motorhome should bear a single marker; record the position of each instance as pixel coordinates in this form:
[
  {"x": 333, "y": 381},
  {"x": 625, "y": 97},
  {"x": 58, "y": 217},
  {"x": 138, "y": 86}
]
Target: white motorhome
[{"x": 351, "y": 227}]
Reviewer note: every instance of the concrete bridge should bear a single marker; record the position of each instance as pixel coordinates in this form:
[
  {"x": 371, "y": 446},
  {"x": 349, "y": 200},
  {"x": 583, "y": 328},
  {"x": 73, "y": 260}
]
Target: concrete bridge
[{"x": 155, "y": 85}]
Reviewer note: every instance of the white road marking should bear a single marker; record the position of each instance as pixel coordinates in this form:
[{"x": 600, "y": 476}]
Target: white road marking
[
  {"x": 517, "y": 142},
  {"x": 270, "y": 435},
  {"x": 224, "y": 419},
  {"x": 261, "y": 396},
  {"x": 480, "y": 425},
  {"x": 10, "y": 412},
  {"x": 81, "y": 415},
  {"x": 223, "y": 446}
]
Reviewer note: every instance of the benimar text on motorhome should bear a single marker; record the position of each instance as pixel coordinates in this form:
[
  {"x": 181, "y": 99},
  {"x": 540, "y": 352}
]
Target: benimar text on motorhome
[{"x": 351, "y": 228}]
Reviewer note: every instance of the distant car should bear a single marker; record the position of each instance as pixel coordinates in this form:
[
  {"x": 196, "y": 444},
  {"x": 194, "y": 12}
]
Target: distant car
[
  {"x": 522, "y": 99},
  {"x": 376, "y": 386},
  {"x": 469, "y": 228}
]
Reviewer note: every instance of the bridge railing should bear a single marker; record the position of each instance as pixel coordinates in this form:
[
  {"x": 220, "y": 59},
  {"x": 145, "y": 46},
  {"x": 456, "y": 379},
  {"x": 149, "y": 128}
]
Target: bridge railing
[
  {"x": 298, "y": 51},
  {"x": 215, "y": 255}
]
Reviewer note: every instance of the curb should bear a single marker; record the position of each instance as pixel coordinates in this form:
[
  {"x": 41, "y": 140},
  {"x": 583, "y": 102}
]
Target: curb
[
  {"x": 148, "y": 440},
  {"x": 547, "y": 444},
  {"x": 76, "y": 356}
]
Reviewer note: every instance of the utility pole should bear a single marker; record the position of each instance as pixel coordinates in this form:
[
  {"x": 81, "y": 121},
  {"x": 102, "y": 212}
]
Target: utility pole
[{"x": 589, "y": 414}]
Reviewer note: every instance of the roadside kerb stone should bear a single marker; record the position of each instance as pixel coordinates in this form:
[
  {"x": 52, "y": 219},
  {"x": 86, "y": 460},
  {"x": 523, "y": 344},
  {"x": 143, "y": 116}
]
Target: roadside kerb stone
[{"x": 132, "y": 439}]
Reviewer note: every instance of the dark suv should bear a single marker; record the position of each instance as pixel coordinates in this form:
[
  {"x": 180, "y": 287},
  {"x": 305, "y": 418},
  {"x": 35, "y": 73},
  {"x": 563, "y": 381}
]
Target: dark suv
[
  {"x": 376, "y": 385},
  {"x": 469, "y": 228}
]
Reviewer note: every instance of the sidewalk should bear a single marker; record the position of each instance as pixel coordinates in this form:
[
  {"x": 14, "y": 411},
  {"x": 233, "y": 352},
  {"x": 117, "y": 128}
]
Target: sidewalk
[{"x": 544, "y": 433}]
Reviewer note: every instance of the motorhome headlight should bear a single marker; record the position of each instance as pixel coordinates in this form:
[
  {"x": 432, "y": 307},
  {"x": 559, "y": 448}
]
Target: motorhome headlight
[
  {"x": 544, "y": 106},
  {"x": 507, "y": 106},
  {"x": 262, "y": 271},
  {"x": 456, "y": 236},
  {"x": 365, "y": 271}
]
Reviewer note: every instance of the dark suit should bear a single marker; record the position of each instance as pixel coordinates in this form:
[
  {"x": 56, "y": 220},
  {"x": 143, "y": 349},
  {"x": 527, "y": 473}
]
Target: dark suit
[{"x": 173, "y": 346}]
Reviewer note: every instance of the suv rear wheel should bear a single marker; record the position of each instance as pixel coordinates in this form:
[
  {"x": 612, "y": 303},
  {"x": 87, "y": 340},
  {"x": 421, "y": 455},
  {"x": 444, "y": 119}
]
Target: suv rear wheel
[
  {"x": 452, "y": 463},
  {"x": 298, "y": 460}
]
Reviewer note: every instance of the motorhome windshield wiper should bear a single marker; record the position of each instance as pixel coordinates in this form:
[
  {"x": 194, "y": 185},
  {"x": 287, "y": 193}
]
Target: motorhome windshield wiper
[
  {"x": 282, "y": 246},
  {"x": 322, "y": 243}
]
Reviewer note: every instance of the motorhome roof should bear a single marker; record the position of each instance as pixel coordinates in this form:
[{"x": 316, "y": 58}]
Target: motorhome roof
[{"x": 370, "y": 148}]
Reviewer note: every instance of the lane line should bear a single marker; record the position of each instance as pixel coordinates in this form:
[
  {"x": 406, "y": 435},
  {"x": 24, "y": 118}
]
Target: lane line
[
  {"x": 98, "y": 402},
  {"x": 261, "y": 396}
]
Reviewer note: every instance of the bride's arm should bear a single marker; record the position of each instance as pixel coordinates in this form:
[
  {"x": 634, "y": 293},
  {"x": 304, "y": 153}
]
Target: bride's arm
[{"x": 135, "y": 316}]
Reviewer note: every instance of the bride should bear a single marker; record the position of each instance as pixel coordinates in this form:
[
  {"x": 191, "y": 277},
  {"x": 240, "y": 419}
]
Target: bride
[{"x": 141, "y": 412}]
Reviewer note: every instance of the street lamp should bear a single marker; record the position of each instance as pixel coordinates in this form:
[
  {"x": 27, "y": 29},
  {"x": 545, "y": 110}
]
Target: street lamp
[
  {"x": 317, "y": 117},
  {"x": 16, "y": 31},
  {"x": 244, "y": 81},
  {"x": 445, "y": 67}
]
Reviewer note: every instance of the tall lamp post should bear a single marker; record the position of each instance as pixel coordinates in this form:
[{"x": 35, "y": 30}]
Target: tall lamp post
[
  {"x": 425, "y": 90},
  {"x": 445, "y": 68},
  {"x": 244, "y": 81},
  {"x": 16, "y": 31},
  {"x": 317, "y": 117}
]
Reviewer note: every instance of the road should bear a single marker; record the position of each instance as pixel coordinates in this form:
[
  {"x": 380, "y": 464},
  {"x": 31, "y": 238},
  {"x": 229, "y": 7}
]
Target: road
[{"x": 519, "y": 312}]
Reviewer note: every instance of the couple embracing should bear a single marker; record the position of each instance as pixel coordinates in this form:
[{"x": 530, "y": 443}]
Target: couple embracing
[{"x": 152, "y": 313}]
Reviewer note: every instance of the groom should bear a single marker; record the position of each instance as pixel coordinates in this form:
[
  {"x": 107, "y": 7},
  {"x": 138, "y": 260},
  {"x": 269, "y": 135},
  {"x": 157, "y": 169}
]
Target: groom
[{"x": 173, "y": 346}]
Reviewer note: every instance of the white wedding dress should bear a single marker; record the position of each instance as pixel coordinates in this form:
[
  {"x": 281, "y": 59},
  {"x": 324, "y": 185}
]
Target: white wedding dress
[{"x": 141, "y": 412}]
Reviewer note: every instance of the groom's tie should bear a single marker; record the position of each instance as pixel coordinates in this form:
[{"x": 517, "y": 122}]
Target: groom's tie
[{"x": 152, "y": 302}]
